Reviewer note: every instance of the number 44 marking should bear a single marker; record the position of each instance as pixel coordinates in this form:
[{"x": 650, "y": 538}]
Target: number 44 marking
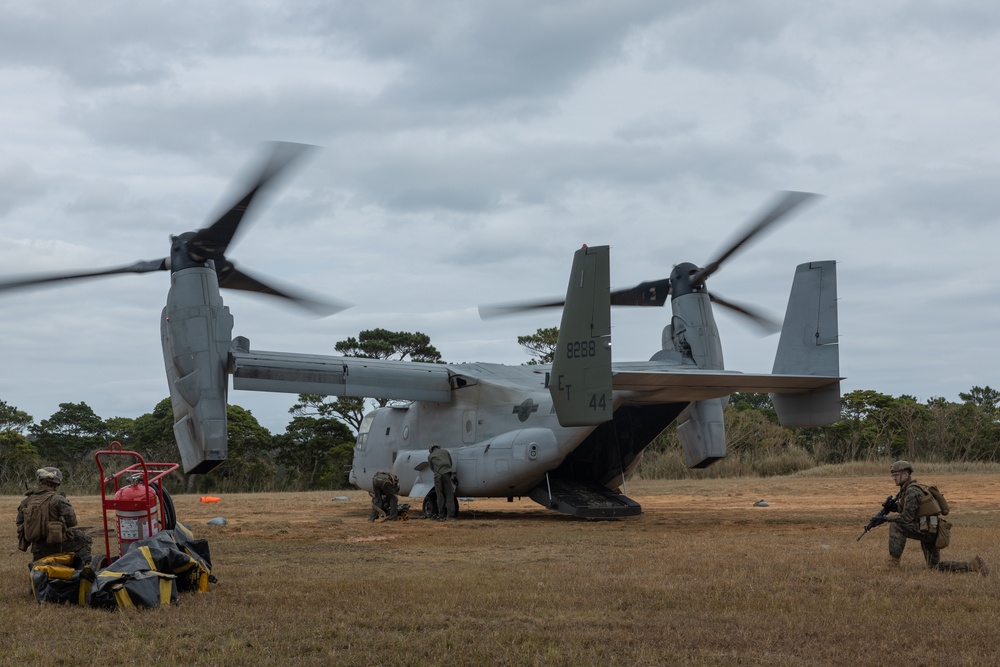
[{"x": 597, "y": 402}]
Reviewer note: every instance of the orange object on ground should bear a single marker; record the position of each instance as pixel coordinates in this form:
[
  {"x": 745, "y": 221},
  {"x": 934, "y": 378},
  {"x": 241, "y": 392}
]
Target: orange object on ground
[{"x": 210, "y": 499}]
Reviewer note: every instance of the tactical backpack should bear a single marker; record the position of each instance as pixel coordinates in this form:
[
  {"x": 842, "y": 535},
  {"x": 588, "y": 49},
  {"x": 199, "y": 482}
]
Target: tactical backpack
[
  {"x": 933, "y": 507},
  {"x": 385, "y": 479},
  {"x": 39, "y": 526}
]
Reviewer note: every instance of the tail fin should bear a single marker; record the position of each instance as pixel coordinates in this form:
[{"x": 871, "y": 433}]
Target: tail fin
[
  {"x": 580, "y": 383},
  {"x": 808, "y": 346}
]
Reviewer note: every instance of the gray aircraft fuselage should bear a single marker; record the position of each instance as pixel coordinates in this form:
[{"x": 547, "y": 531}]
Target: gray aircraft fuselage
[{"x": 500, "y": 427}]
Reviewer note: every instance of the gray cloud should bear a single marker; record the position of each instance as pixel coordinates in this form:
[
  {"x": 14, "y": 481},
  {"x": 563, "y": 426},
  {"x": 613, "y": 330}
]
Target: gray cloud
[{"x": 469, "y": 149}]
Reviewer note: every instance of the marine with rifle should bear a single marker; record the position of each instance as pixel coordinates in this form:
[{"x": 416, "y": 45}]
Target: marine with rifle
[{"x": 920, "y": 512}]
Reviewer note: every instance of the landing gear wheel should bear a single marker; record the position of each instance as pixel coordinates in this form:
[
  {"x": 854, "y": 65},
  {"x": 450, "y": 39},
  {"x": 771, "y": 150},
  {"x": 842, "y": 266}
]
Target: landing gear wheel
[{"x": 430, "y": 506}]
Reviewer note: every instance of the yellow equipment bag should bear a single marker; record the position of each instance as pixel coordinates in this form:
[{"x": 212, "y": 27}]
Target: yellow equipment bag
[{"x": 60, "y": 578}]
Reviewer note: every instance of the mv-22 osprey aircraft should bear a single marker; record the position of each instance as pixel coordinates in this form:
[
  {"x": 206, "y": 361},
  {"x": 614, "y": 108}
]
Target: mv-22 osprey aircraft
[{"x": 566, "y": 435}]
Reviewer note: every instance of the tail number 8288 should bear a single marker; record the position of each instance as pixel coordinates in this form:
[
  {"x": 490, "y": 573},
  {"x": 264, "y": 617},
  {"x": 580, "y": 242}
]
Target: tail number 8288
[{"x": 580, "y": 349}]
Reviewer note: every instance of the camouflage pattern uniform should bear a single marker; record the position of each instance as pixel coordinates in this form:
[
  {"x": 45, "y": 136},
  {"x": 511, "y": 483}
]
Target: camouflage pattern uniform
[
  {"x": 905, "y": 525},
  {"x": 444, "y": 482},
  {"x": 385, "y": 500},
  {"x": 59, "y": 509}
]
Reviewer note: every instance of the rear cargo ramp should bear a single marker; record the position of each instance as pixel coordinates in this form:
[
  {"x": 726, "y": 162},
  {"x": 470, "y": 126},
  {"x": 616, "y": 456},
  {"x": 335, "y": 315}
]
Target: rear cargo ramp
[{"x": 583, "y": 500}]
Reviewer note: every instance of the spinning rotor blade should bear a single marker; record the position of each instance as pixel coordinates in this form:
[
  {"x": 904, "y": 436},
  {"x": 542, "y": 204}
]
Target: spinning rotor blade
[
  {"x": 212, "y": 241},
  {"x": 500, "y": 309},
  {"x": 785, "y": 205},
  {"x": 766, "y": 324},
  {"x": 207, "y": 246},
  {"x": 138, "y": 267},
  {"x": 232, "y": 278},
  {"x": 649, "y": 293},
  {"x": 656, "y": 292}
]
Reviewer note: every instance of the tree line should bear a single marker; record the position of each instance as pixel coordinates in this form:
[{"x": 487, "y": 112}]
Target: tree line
[
  {"x": 316, "y": 448},
  {"x": 873, "y": 427}
]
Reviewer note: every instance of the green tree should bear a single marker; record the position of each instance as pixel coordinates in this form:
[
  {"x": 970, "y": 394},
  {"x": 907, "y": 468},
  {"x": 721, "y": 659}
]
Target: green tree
[
  {"x": 18, "y": 462},
  {"x": 67, "y": 437},
  {"x": 153, "y": 433},
  {"x": 742, "y": 401},
  {"x": 977, "y": 428},
  {"x": 349, "y": 409},
  {"x": 907, "y": 437},
  {"x": 751, "y": 432},
  {"x": 863, "y": 431},
  {"x": 120, "y": 429},
  {"x": 319, "y": 451},
  {"x": 12, "y": 419},
  {"x": 941, "y": 431},
  {"x": 385, "y": 344},
  {"x": 541, "y": 345},
  {"x": 984, "y": 397}
]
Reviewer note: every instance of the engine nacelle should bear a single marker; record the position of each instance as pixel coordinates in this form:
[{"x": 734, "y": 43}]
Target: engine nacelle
[
  {"x": 195, "y": 331},
  {"x": 701, "y": 429}
]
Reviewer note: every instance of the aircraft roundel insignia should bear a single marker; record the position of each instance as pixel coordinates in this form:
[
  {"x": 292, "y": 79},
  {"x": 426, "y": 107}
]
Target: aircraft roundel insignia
[{"x": 524, "y": 410}]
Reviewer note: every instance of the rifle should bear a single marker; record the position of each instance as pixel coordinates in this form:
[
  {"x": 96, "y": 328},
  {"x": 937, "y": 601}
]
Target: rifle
[{"x": 890, "y": 505}]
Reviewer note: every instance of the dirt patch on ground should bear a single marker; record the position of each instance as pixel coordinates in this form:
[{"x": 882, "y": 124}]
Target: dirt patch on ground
[{"x": 342, "y": 516}]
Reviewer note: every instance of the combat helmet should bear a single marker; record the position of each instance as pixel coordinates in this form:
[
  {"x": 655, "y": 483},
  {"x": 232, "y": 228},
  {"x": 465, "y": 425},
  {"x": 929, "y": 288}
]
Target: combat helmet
[
  {"x": 901, "y": 466},
  {"x": 49, "y": 475}
]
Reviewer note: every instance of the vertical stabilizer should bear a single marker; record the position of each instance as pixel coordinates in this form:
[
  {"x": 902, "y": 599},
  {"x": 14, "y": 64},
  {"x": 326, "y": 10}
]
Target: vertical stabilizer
[
  {"x": 808, "y": 346},
  {"x": 580, "y": 383}
]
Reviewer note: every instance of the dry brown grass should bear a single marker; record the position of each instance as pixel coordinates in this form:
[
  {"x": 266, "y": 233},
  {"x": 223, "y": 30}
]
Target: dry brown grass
[{"x": 701, "y": 578}]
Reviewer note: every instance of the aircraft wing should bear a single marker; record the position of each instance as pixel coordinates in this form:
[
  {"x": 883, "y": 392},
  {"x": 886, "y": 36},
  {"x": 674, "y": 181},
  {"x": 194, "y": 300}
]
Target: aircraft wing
[
  {"x": 655, "y": 383},
  {"x": 292, "y": 373}
]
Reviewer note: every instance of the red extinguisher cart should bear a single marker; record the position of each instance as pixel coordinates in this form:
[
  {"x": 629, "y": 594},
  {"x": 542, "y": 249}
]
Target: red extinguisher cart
[{"x": 137, "y": 497}]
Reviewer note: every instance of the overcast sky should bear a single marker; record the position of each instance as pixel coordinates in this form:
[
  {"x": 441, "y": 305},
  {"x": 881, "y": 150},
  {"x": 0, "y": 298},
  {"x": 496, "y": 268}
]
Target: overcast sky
[{"x": 469, "y": 148}]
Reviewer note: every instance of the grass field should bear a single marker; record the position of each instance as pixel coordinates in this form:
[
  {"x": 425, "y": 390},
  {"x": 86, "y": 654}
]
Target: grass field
[{"x": 701, "y": 578}]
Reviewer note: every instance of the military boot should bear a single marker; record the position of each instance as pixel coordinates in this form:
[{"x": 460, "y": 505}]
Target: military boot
[{"x": 977, "y": 564}]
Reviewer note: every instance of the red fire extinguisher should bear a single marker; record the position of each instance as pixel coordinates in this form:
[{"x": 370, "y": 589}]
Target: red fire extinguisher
[{"x": 140, "y": 520}]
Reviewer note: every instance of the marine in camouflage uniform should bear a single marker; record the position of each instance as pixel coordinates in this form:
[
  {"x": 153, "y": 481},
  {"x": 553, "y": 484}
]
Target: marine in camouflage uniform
[
  {"x": 906, "y": 525},
  {"x": 385, "y": 499},
  {"x": 54, "y": 508},
  {"x": 444, "y": 481}
]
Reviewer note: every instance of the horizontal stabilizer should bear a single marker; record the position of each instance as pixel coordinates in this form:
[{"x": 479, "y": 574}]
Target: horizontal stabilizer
[{"x": 665, "y": 382}]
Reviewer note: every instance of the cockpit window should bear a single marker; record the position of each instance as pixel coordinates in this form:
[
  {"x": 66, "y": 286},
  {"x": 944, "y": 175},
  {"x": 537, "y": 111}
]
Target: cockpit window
[{"x": 366, "y": 426}]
